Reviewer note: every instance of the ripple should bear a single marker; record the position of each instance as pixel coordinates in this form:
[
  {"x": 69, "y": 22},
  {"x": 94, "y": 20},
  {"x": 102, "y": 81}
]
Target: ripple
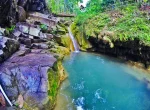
[
  {"x": 79, "y": 103},
  {"x": 98, "y": 95},
  {"x": 79, "y": 86}
]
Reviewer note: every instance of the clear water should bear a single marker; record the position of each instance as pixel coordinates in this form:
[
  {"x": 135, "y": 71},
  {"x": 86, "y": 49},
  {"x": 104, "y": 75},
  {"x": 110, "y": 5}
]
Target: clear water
[{"x": 96, "y": 82}]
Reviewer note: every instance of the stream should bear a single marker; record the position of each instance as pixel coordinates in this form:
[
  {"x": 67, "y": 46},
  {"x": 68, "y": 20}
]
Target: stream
[{"x": 97, "y": 82}]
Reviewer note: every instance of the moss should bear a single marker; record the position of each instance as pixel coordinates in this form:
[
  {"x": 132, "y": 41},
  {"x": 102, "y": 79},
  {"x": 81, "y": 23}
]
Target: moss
[
  {"x": 66, "y": 41},
  {"x": 127, "y": 23},
  {"x": 55, "y": 76},
  {"x": 60, "y": 50}
]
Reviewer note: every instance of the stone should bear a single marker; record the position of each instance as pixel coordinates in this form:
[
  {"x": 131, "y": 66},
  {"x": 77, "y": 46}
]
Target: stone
[
  {"x": 25, "y": 41},
  {"x": 16, "y": 33},
  {"x": 24, "y": 29},
  {"x": 12, "y": 92},
  {"x": 6, "y": 80},
  {"x": 22, "y": 14},
  {"x": 39, "y": 46},
  {"x": 7, "y": 48},
  {"x": 34, "y": 31},
  {"x": 49, "y": 36},
  {"x": 23, "y": 53},
  {"x": 2, "y": 30},
  {"x": 31, "y": 37},
  {"x": 42, "y": 18},
  {"x": 43, "y": 87},
  {"x": 38, "y": 40}
]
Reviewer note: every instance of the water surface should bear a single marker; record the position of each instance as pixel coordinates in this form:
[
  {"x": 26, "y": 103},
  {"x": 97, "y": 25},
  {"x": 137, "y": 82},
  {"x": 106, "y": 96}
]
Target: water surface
[{"x": 97, "y": 82}]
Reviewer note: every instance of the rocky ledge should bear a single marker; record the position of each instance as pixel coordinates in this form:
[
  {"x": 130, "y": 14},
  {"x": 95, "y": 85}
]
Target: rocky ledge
[
  {"x": 127, "y": 50},
  {"x": 33, "y": 73}
]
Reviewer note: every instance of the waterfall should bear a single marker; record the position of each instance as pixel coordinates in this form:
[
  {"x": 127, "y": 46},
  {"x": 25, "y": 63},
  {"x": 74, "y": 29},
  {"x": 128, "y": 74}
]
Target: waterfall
[{"x": 75, "y": 44}]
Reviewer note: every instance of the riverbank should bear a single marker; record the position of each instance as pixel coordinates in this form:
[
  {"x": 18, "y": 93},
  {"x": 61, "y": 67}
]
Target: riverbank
[{"x": 122, "y": 33}]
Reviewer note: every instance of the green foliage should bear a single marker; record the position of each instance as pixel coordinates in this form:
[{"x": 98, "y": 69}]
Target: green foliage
[
  {"x": 9, "y": 30},
  {"x": 62, "y": 6},
  {"x": 43, "y": 27},
  {"x": 128, "y": 24}
]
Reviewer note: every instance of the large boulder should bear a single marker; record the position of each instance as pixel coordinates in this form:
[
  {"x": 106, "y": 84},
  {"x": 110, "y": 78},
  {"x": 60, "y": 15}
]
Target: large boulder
[
  {"x": 27, "y": 75},
  {"x": 7, "y": 48},
  {"x": 15, "y": 10}
]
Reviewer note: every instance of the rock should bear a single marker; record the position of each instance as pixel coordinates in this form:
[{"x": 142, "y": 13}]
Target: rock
[
  {"x": 39, "y": 46},
  {"x": 49, "y": 36},
  {"x": 31, "y": 37},
  {"x": 22, "y": 3},
  {"x": 42, "y": 18},
  {"x": 8, "y": 9},
  {"x": 6, "y": 80},
  {"x": 34, "y": 31},
  {"x": 22, "y": 14},
  {"x": 42, "y": 35},
  {"x": 38, "y": 40},
  {"x": 12, "y": 92},
  {"x": 25, "y": 41},
  {"x": 7, "y": 48},
  {"x": 44, "y": 85},
  {"x": 2, "y": 30},
  {"x": 27, "y": 75},
  {"x": 23, "y": 53},
  {"x": 24, "y": 29},
  {"x": 2, "y": 100},
  {"x": 16, "y": 33}
]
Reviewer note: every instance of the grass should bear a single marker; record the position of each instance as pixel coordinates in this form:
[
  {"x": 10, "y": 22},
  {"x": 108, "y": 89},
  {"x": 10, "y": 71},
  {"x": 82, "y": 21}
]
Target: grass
[{"x": 127, "y": 23}]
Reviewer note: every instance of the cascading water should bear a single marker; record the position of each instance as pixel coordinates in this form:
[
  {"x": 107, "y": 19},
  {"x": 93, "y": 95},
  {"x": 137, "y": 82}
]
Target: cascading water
[{"x": 75, "y": 44}]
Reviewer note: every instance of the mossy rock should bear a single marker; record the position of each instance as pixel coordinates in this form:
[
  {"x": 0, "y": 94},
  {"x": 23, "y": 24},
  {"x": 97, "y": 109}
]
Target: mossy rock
[
  {"x": 67, "y": 42},
  {"x": 60, "y": 50},
  {"x": 55, "y": 76}
]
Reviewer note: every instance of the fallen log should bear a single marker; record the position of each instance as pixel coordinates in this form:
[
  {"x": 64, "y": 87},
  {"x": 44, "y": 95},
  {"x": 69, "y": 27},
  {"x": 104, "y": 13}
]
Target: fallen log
[{"x": 64, "y": 15}]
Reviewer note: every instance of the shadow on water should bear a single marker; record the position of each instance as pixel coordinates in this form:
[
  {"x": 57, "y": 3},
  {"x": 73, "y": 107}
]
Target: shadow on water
[{"x": 97, "y": 82}]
